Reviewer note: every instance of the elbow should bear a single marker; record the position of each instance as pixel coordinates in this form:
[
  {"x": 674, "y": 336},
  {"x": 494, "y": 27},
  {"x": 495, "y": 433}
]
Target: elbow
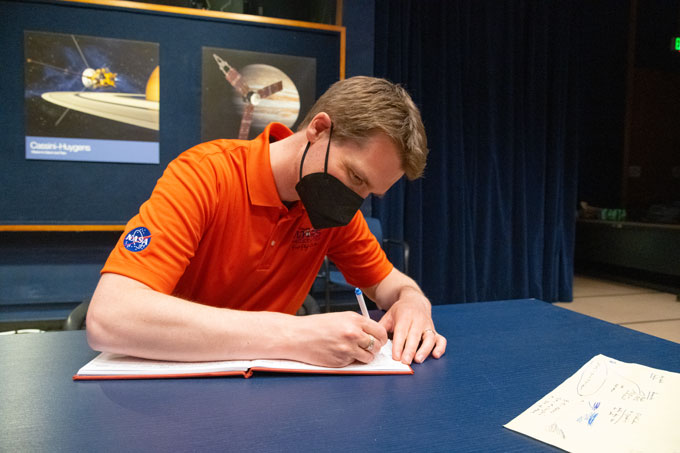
[
  {"x": 110, "y": 305},
  {"x": 102, "y": 326},
  {"x": 96, "y": 330}
]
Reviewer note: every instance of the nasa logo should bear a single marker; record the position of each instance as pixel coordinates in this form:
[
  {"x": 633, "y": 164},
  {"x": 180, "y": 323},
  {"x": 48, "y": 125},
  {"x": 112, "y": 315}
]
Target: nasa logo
[{"x": 137, "y": 239}]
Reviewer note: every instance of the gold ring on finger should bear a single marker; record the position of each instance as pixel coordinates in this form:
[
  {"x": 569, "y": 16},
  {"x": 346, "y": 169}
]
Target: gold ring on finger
[{"x": 371, "y": 343}]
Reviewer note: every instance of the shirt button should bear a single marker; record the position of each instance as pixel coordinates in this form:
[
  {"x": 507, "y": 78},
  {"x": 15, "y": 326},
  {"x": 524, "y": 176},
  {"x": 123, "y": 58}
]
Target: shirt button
[{"x": 273, "y": 243}]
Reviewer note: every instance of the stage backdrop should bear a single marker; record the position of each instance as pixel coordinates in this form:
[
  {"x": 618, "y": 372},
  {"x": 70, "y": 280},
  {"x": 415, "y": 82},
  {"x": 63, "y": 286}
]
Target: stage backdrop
[{"x": 493, "y": 218}]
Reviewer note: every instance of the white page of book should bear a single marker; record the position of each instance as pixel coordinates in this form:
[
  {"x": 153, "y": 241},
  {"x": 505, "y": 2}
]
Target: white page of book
[
  {"x": 107, "y": 364},
  {"x": 382, "y": 362}
]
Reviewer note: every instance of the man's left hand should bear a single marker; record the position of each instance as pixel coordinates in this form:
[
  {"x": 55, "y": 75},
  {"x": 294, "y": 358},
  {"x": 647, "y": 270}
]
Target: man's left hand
[{"x": 414, "y": 336}]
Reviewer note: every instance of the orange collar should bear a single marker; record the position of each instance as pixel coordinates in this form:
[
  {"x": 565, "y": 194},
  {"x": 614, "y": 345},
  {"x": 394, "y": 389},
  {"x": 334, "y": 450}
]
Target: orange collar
[{"x": 261, "y": 185}]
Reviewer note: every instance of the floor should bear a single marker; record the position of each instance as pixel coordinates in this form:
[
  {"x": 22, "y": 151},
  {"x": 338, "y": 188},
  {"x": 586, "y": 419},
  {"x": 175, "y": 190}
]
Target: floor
[{"x": 642, "y": 309}]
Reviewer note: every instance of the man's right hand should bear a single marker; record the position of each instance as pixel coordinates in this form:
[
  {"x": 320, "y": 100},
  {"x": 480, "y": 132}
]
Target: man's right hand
[{"x": 337, "y": 339}]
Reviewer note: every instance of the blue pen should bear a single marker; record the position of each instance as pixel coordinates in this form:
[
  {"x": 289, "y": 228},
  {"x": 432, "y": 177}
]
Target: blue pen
[{"x": 362, "y": 302}]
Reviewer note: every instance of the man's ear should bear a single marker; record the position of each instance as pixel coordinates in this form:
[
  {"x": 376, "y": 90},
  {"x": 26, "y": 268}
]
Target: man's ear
[{"x": 316, "y": 128}]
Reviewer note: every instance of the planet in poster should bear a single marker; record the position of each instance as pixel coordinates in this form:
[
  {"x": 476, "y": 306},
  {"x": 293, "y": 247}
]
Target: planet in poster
[{"x": 282, "y": 106}]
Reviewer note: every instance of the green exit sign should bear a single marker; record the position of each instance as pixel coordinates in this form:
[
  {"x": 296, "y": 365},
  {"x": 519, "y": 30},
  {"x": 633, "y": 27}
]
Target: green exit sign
[{"x": 675, "y": 44}]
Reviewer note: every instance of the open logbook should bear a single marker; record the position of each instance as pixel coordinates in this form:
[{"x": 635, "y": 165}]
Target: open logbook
[{"x": 116, "y": 366}]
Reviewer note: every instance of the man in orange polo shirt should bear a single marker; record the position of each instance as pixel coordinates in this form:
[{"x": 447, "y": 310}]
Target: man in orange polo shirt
[{"x": 223, "y": 253}]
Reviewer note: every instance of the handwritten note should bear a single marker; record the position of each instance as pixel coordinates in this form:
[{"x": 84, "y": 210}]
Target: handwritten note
[{"x": 608, "y": 406}]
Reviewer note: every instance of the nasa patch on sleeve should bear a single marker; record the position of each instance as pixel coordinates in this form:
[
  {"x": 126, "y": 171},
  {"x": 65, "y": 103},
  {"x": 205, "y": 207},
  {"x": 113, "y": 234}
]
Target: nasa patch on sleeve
[{"x": 137, "y": 239}]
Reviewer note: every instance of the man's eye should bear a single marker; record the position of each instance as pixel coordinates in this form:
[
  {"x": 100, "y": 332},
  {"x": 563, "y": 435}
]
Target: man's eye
[{"x": 355, "y": 178}]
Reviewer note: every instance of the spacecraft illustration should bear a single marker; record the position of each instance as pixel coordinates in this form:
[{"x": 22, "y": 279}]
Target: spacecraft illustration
[
  {"x": 252, "y": 97},
  {"x": 98, "y": 98},
  {"x": 98, "y": 78},
  {"x": 244, "y": 91}
]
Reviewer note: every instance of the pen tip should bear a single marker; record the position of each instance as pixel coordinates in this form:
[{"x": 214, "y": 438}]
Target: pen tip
[{"x": 357, "y": 291}]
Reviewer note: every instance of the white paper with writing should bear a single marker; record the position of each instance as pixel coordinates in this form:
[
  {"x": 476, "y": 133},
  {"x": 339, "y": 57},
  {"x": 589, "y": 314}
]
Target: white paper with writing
[{"x": 608, "y": 406}]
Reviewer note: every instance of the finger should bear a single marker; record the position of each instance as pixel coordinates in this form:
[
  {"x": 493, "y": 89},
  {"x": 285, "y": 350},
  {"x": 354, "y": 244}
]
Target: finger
[
  {"x": 362, "y": 353},
  {"x": 412, "y": 342},
  {"x": 440, "y": 348},
  {"x": 363, "y": 356},
  {"x": 387, "y": 321},
  {"x": 398, "y": 340},
  {"x": 370, "y": 343},
  {"x": 378, "y": 331},
  {"x": 426, "y": 346}
]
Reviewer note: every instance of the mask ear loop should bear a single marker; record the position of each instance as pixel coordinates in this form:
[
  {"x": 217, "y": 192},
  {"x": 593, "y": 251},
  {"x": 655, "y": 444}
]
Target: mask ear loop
[
  {"x": 328, "y": 149},
  {"x": 302, "y": 161}
]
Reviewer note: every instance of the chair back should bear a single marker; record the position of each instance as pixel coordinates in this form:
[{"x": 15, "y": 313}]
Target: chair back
[{"x": 76, "y": 319}]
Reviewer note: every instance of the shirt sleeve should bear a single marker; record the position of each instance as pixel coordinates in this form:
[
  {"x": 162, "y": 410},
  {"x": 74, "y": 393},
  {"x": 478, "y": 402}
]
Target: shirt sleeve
[
  {"x": 358, "y": 255},
  {"x": 159, "y": 242}
]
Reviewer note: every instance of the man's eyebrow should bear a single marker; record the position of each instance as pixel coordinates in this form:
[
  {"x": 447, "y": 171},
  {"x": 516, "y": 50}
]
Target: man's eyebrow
[{"x": 361, "y": 175}]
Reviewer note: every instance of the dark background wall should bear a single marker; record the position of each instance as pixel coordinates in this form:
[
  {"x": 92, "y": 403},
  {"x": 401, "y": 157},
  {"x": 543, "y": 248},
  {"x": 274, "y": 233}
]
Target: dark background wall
[
  {"x": 651, "y": 173},
  {"x": 630, "y": 165},
  {"x": 604, "y": 43},
  {"x": 630, "y": 142}
]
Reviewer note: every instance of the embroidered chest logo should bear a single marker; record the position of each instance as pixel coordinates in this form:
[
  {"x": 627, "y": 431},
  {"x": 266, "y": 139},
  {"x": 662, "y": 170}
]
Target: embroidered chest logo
[
  {"x": 137, "y": 239},
  {"x": 306, "y": 238}
]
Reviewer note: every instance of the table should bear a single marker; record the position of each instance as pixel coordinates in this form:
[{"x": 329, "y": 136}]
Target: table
[{"x": 502, "y": 357}]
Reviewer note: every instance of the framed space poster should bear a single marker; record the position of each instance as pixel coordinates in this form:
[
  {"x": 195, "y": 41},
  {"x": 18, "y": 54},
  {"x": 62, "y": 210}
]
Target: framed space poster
[
  {"x": 82, "y": 147},
  {"x": 244, "y": 91},
  {"x": 90, "y": 98}
]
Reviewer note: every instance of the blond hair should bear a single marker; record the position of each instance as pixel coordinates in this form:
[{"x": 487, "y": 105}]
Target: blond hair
[{"x": 363, "y": 106}]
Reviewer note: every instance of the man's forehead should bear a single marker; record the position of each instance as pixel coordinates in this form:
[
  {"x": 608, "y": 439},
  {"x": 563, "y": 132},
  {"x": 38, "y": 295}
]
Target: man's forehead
[{"x": 378, "y": 164}]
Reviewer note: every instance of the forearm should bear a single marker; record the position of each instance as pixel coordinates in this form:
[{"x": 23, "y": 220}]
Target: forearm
[
  {"x": 393, "y": 288},
  {"x": 127, "y": 317}
]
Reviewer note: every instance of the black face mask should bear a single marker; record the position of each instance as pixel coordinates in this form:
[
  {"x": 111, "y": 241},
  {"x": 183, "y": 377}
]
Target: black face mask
[{"x": 329, "y": 203}]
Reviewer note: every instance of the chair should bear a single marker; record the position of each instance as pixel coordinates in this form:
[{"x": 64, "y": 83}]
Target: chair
[
  {"x": 333, "y": 279},
  {"x": 76, "y": 319},
  {"x": 309, "y": 307}
]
